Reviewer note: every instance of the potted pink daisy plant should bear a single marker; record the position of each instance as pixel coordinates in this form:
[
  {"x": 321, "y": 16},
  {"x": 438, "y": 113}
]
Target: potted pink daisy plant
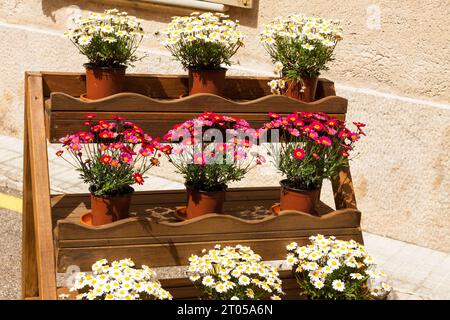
[{"x": 312, "y": 147}]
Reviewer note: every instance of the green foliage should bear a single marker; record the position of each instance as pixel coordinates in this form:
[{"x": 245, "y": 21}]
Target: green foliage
[
  {"x": 104, "y": 179},
  {"x": 354, "y": 289},
  {"x": 309, "y": 172},
  {"x": 198, "y": 55},
  {"x": 212, "y": 176},
  {"x": 297, "y": 61}
]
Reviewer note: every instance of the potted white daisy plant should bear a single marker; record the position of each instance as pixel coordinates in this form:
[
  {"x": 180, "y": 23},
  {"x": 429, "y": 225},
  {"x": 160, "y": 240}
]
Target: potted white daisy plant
[
  {"x": 204, "y": 44},
  {"x": 301, "y": 47},
  {"x": 109, "y": 40}
]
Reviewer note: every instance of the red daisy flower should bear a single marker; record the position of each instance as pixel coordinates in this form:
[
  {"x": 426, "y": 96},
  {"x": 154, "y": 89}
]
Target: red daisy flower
[
  {"x": 299, "y": 123},
  {"x": 274, "y": 115},
  {"x": 106, "y": 159},
  {"x": 293, "y": 117},
  {"x": 331, "y": 122},
  {"x": 343, "y": 134},
  {"x": 307, "y": 129},
  {"x": 166, "y": 149},
  {"x": 59, "y": 153},
  {"x": 137, "y": 177},
  {"x": 298, "y": 153},
  {"x": 317, "y": 125},
  {"x": 105, "y": 134}
]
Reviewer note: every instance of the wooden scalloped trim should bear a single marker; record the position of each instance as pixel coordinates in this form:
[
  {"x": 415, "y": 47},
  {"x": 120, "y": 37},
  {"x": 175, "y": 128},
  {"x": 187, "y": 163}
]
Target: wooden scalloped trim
[
  {"x": 214, "y": 218},
  {"x": 135, "y": 102}
]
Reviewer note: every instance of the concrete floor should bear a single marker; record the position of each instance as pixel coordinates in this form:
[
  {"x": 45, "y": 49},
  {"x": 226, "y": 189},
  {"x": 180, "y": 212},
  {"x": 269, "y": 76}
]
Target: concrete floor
[{"x": 10, "y": 251}]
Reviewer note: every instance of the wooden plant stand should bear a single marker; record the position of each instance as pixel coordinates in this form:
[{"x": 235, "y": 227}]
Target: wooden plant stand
[{"x": 54, "y": 238}]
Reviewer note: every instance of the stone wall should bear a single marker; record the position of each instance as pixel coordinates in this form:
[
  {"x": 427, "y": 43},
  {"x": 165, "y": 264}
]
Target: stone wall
[{"x": 392, "y": 66}]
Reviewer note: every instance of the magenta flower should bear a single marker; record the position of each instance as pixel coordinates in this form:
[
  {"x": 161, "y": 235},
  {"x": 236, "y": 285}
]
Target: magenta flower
[
  {"x": 325, "y": 141},
  {"x": 294, "y": 132},
  {"x": 199, "y": 158},
  {"x": 126, "y": 158},
  {"x": 239, "y": 155},
  {"x": 313, "y": 135}
]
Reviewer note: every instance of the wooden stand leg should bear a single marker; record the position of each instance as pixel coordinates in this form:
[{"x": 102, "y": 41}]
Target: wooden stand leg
[
  {"x": 39, "y": 271},
  {"x": 344, "y": 194},
  {"x": 30, "y": 286}
]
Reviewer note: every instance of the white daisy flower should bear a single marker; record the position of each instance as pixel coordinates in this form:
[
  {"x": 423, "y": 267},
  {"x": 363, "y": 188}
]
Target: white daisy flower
[
  {"x": 208, "y": 281},
  {"x": 338, "y": 285}
]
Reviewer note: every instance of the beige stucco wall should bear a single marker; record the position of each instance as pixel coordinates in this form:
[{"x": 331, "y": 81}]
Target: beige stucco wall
[{"x": 395, "y": 75}]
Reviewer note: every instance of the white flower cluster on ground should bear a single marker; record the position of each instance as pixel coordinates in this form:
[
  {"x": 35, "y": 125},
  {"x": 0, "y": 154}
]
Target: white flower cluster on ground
[
  {"x": 336, "y": 269},
  {"x": 119, "y": 281},
  {"x": 234, "y": 273}
]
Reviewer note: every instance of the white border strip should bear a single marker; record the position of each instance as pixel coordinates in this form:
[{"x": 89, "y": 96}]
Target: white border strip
[
  {"x": 42, "y": 30},
  {"x": 371, "y": 92},
  {"x": 391, "y": 96}
]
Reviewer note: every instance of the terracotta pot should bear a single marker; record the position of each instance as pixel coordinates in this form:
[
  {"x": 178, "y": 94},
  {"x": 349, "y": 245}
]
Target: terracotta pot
[
  {"x": 294, "y": 89},
  {"x": 109, "y": 209},
  {"x": 207, "y": 81},
  {"x": 202, "y": 202},
  {"x": 298, "y": 200},
  {"x": 103, "y": 82}
]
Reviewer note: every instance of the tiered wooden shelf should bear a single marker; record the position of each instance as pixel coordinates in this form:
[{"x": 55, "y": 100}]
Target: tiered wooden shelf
[{"x": 54, "y": 237}]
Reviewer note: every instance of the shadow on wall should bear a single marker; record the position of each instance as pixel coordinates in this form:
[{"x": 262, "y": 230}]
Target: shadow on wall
[{"x": 160, "y": 13}]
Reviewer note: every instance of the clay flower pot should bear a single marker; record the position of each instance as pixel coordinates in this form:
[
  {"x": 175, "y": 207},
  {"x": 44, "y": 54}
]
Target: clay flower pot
[
  {"x": 103, "y": 82},
  {"x": 107, "y": 209},
  {"x": 202, "y": 202},
  {"x": 294, "y": 89},
  {"x": 207, "y": 81},
  {"x": 298, "y": 200}
]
